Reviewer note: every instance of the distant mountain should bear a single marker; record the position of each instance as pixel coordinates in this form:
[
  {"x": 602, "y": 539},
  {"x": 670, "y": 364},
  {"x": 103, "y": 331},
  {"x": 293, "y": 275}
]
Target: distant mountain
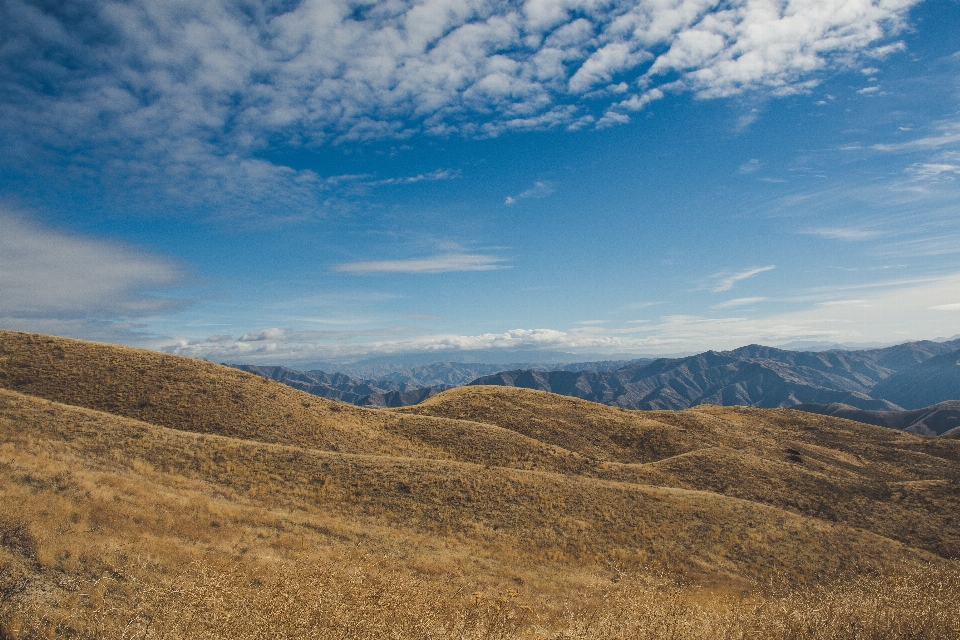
[
  {"x": 933, "y": 380},
  {"x": 911, "y": 375},
  {"x": 934, "y": 420},
  {"x": 337, "y": 386},
  {"x": 438, "y": 374},
  {"x": 753, "y": 375}
]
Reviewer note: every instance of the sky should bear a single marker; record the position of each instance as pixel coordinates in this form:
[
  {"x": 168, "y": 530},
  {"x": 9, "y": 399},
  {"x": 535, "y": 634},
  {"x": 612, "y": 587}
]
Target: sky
[{"x": 292, "y": 181}]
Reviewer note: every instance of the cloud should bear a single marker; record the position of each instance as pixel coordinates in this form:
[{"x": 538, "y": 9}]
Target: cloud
[
  {"x": 50, "y": 275},
  {"x": 444, "y": 174},
  {"x": 538, "y": 190},
  {"x": 922, "y": 144},
  {"x": 933, "y": 171},
  {"x": 883, "y": 311},
  {"x": 434, "y": 264},
  {"x": 749, "y": 166},
  {"x": 180, "y": 100},
  {"x": 738, "y": 302},
  {"x": 842, "y": 233},
  {"x": 725, "y": 282}
]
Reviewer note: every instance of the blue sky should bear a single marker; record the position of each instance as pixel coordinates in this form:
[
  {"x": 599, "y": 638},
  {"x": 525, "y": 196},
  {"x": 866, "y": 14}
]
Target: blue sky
[{"x": 293, "y": 182}]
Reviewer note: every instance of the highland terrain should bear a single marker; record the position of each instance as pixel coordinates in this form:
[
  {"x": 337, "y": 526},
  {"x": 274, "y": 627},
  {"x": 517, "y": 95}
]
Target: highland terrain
[{"x": 148, "y": 495}]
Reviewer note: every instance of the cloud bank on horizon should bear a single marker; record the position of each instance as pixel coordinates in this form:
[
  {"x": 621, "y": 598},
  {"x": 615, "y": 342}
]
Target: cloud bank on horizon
[
  {"x": 897, "y": 308},
  {"x": 155, "y": 91}
]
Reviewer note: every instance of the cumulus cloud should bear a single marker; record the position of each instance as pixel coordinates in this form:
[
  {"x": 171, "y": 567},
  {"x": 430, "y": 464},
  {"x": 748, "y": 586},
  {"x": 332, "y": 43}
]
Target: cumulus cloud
[
  {"x": 725, "y": 281},
  {"x": 434, "y": 264},
  {"x": 60, "y": 282},
  {"x": 183, "y": 98}
]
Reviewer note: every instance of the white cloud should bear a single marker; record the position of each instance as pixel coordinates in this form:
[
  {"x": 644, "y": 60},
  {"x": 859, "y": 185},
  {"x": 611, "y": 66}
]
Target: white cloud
[
  {"x": 47, "y": 274},
  {"x": 439, "y": 174},
  {"x": 434, "y": 264},
  {"x": 725, "y": 282},
  {"x": 933, "y": 171},
  {"x": 738, "y": 302},
  {"x": 159, "y": 93},
  {"x": 538, "y": 190},
  {"x": 842, "y": 233},
  {"x": 922, "y": 144},
  {"x": 883, "y": 311}
]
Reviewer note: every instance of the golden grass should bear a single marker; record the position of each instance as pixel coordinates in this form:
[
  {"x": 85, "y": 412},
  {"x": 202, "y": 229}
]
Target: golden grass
[{"x": 486, "y": 512}]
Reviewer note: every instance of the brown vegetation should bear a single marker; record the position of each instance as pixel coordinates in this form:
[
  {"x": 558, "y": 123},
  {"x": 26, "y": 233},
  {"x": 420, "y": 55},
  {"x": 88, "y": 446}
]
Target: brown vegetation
[{"x": 229, "y": 505}]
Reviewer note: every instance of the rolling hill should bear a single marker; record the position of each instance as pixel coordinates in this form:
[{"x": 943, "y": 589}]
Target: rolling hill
[
  {"x": 144, "y": 493},
  {"x": 935, "y": 420}
]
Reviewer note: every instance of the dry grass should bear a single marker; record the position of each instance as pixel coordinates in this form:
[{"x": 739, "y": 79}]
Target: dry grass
[{"x": 503, "y": 513}]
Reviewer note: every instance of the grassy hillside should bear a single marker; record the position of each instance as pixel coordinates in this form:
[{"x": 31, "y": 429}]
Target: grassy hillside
[{"x": 228, "y": 505}]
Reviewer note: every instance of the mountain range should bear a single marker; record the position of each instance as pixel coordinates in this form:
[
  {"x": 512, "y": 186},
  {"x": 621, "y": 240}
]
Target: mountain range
[
  {"x": 761, "y": 376},
  {"x": 382, "y": 384},
  {"x": 912, "y": 375}
]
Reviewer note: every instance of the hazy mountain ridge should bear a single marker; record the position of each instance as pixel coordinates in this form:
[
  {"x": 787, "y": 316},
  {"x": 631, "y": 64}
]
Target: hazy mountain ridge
[
  {"x": 932, "y": 381},
  {"x": 449, "y": 373},
  {"x": 755, "y": 375},
  {"x": 399, "y": 385},
  {"x": 339, "y": 386}
]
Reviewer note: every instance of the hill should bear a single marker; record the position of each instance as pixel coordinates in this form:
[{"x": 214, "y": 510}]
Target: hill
[
  {"x": 145, "y": 494},
  {"x": 934, "y": 420}
]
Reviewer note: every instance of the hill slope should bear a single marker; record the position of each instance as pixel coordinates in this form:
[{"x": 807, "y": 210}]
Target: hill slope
[
  {"x": 151, "y": 483},
  {"x": 934, "y": 420}
]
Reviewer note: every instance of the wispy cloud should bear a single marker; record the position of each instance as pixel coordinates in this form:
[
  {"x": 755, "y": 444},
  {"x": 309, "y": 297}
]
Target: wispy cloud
[
  {"x": 725, "y": 282},
  {"x": 738, "y": 302},
  {"x": 933, "y": 171},
  {"x": 439, "y": 174},
  {"x": 538, "y": 190},
  {"x": 842, "y": 233},
  {"x": 922, "y": 144},
  {"x": 46, "y": 273},
  {"x": 953, "y": 306},
  {"x": 434, "y": 264}
]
